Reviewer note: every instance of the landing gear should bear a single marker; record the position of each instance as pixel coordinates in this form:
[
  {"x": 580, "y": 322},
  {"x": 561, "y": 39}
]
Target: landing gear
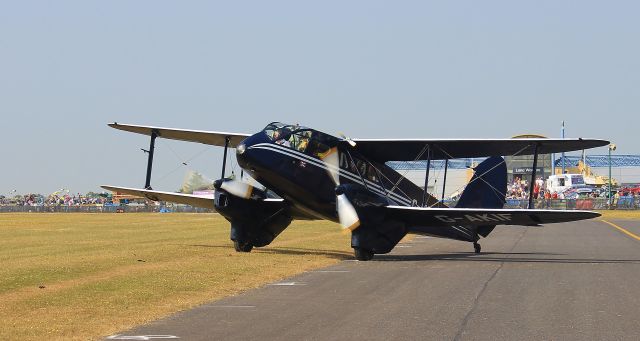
[
  {"x": 242, "y": 246},
  {"x": 362, "y": 254},
  {"x": 477, "y": 247}
]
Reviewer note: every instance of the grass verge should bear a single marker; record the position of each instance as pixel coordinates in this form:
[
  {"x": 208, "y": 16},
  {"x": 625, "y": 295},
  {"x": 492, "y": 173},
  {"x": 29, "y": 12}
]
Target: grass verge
[
  {"x": 620, "y": 214},
  {"x": 83, "y": 276}
]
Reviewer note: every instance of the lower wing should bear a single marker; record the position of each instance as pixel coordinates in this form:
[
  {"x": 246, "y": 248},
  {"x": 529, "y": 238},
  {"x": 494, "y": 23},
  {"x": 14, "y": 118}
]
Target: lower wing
[
  {"x": 203, "y": 201},
  {"x": 424, "y": 216},
  {"x": 188, "y": 199}
]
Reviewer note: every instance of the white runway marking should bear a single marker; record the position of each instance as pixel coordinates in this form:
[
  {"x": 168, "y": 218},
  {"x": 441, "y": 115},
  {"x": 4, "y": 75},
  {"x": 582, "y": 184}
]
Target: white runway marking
[
  {"x": 287, "y": 283},
  {"x": 141, "y": 337},
  {"x": 404, "y": 246},
  {"x": 423, "y": 237}
]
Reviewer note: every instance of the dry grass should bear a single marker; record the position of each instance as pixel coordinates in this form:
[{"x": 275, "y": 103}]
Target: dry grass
[
  {"x": 620, "y": 214},
  {"x": 102, "y": 273}
]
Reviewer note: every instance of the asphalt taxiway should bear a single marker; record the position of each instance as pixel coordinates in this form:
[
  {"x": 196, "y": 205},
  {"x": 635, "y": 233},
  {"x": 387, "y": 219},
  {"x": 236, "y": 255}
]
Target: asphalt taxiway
[{"x": 572, "y": 281}]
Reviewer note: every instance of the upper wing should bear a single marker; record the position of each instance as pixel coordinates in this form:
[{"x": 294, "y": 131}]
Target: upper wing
[
  {"x": 424, "y": 216},
  {"x": 207, "y": 137},
  {"x": 188, "y": 199},
  {"x": 383, "y": 150}
]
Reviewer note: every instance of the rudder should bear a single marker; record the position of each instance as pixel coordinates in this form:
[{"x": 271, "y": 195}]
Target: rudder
[{"x": 487, "y": 188}]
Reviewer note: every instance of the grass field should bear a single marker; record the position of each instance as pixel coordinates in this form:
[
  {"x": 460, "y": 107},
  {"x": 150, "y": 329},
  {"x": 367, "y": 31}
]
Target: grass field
[
  {"x": 620, "y": 214},
  {"x": 83, "y": 276}
]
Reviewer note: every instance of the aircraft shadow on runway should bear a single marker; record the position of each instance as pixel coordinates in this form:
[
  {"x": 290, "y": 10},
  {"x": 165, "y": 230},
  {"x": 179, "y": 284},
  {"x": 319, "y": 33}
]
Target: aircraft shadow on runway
[
  {"x": 501, "y": 257},
  {"x": 341, "y": 255}
]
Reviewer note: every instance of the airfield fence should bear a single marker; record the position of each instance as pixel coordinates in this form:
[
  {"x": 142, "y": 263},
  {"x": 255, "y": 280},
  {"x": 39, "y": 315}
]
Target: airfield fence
[
  {"x": 622, "y": 203},
  {"x": 577, "y": 204},
  {"x": 102, "y": 209}
]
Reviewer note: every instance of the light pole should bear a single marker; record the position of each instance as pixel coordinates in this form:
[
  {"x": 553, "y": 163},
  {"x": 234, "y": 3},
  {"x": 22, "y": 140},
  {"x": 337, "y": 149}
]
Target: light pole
[
  {"x": 563, "y": 161},
  {"x": 611, "y": 148}
]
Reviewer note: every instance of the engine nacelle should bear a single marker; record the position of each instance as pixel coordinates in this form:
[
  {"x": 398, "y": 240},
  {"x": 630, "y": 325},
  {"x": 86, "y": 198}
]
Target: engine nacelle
[
  {"x": 253, "y": 222},
  {"x": 376, "y": 232}
]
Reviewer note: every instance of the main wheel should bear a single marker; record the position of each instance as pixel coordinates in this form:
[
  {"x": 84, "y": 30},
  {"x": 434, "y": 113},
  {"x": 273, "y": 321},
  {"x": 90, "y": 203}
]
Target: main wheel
[
  {"x": 362, "y": 254},
  {"x": 242, "y": 246},
  {"x": 477, "y": 247}
]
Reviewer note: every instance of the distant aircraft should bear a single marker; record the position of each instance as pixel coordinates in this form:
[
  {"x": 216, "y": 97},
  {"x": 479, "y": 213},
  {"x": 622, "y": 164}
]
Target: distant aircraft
[{"x": 311, "y": 175}]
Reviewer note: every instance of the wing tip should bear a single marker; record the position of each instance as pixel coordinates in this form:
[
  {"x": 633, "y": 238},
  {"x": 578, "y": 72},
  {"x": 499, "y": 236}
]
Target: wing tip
[{"x": 118, "y": 188}]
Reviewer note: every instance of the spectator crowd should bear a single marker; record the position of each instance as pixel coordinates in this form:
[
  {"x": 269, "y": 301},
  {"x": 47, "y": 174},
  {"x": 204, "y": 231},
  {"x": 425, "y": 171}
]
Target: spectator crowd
[
  {"x": 54, "y": 199},
  {"x": 518, "y": 190}
]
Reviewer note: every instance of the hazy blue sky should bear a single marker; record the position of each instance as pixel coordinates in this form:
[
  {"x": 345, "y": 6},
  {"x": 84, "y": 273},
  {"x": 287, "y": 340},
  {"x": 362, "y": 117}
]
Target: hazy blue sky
[{"x": 366, "y": 68}]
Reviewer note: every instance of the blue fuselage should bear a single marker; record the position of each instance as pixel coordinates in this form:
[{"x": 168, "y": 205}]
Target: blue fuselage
[{"x": 301, "y": 176}]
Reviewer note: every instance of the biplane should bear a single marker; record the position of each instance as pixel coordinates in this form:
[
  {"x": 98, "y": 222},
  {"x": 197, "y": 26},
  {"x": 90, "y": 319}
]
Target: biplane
[{"x": 302, "y": 173}]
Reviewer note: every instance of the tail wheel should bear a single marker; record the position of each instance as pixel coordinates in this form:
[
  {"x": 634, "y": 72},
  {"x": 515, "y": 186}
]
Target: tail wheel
[
  {"x": 477, "y": 247},
  {"x": 242, "y": 246},
  {"x": 362, "y": 254}
]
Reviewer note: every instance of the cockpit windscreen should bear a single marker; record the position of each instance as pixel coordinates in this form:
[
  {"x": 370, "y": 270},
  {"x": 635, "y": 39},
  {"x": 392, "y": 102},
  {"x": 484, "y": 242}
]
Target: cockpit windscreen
[{"x": 300, "y": 138}]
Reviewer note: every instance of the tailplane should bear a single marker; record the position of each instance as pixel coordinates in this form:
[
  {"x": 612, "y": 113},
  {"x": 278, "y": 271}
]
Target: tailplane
[{"x": 487, "y": 189}]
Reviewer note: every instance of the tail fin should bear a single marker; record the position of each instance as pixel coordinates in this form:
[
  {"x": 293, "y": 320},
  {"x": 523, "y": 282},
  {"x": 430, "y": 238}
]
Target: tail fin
[{"x": 487, "y": 189}]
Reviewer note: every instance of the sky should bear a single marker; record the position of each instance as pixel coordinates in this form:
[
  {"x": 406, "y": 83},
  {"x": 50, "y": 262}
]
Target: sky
[{"x": 369, "y": 69}]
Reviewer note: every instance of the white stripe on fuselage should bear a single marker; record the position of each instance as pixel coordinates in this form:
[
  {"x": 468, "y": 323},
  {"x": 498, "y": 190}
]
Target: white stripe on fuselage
[
  {"x": 375, "y": 188},
  {"x": 318, "y": 163}
]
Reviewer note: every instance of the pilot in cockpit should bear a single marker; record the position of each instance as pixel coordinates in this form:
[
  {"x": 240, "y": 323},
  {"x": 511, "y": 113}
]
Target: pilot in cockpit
[{"x": 281, "y": 137}]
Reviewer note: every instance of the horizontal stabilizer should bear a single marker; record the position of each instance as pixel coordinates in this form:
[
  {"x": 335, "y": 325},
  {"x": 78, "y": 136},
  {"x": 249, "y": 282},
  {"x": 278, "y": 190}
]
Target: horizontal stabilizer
[
  {"x": 214, "y": 138},
  {"x": 187, "y": 199},
  {"x": 425, "y": 216}
]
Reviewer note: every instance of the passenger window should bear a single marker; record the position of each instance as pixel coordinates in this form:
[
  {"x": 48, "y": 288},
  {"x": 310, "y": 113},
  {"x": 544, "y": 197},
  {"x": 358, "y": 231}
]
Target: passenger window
[
  {"x": 372, "y": 175},
  {"x": 362, "y": 168},
  {"x": 353, "y": 167}
]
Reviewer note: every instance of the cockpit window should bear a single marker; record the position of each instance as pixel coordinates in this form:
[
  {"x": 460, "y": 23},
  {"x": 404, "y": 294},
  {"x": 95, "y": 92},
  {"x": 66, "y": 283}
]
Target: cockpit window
[
  {"x": 274, "y": 130},
  {"x": 300, "y": 138}
]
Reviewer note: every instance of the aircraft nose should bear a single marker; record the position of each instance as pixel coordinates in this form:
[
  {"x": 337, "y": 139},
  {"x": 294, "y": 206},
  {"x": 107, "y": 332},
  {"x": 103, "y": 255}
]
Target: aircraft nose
[
  {"x": 244, "y": 153},
  {"x": 241, "y": 148}
]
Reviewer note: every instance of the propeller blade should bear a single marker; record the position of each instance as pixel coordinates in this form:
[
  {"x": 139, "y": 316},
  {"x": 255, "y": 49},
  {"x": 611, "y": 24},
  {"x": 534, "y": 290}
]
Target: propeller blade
[
  {"x": 332, "y": 161},
  {"x": 347, "y": 213},
  {"x": 237, "y": 188}
]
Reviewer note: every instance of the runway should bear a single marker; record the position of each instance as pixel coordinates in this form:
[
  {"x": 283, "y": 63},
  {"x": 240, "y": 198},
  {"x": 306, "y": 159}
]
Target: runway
[{"x": 571, "y": 281}]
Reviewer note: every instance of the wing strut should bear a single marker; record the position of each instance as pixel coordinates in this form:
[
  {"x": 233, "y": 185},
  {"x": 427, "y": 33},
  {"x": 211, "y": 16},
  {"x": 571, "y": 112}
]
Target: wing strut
[
  {"x": 224, "y": 160},
  {"x": 533, "y": 175},
  {"x": 444, "y": 182},
  {"x": 152, "y": 147},
  {"x": 426, "y": 178}
]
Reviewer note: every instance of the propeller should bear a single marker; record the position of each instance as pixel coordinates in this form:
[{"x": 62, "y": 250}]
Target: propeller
[
  {"x": 347, "y": 214},
  {"x": 245, "y": 187},
  {"x": 238, "y": 188},
  {"x": 195, "y": 181}
]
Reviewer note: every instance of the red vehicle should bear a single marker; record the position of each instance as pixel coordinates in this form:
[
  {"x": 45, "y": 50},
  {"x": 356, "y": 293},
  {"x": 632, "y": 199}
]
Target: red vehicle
[{"x": 629, "y": 190}]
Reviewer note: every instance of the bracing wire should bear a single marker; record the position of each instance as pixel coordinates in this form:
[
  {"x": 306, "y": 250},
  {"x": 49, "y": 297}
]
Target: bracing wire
[
  {"x": 495, "y": 190},
  {"x": 184, "y": 163}
]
